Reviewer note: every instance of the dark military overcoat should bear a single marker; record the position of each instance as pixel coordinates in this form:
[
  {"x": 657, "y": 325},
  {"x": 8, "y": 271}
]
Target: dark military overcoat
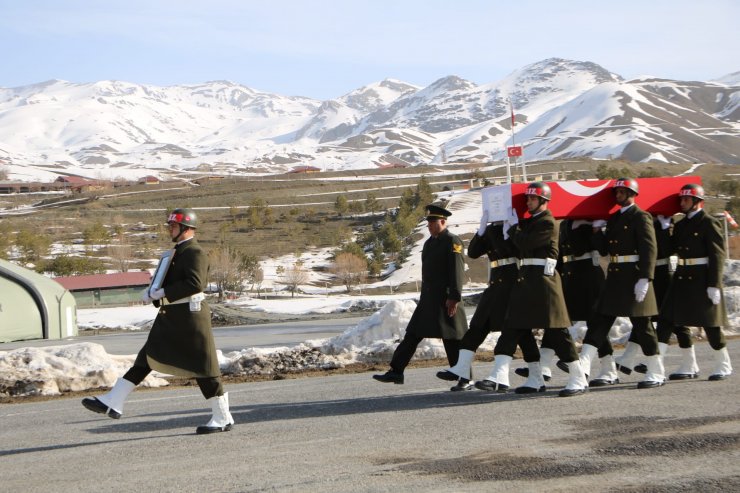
[
  {"x": 582, "y": 280},
  {"x": 493, "y": 302},
  {"x": 627, "y": 233},
  {"x": 536, "y": 300},
  {"x": 687, "y": 303},
  {"x": 181, "y": 341},
  {"x": 663, "y": 274},
  {"x": 442, "y": 268}
]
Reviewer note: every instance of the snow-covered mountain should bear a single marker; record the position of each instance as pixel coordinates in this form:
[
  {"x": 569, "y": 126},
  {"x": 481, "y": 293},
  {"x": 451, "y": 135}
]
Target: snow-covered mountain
[{"x": 562, "y": 108}]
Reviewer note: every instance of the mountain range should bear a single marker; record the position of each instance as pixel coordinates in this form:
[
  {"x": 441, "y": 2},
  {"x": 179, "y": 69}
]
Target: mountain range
[{"x": 561, "y": 108}]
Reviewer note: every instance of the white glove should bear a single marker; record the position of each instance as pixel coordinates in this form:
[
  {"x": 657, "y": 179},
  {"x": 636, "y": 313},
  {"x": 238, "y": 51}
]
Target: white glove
[
  {"x": 157, "y": 294},
  {"x": 714, "y": 295},
  {"x": 641, "y": 289},
  {"x": 513, "y": 218},
  {"x": 599, "y": 223},
  {"x": 595, "y": 258},
  {"x": 145, "y": 296},
  {"x": 483, "y": 224},
  {"x": 665, "y": 222},
  {"x": 580, "y": 222},
  {"x": 550, "y": 264}
]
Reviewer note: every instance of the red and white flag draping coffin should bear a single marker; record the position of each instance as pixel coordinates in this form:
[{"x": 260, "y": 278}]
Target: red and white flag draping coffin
[{"x": 587, "y": 199}]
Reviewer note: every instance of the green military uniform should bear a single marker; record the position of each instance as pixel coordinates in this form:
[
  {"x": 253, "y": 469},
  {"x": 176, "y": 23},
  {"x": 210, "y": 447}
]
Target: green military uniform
[
  {"x": 489, "y": 315},
  {"x": 537, "y": 300},
  {"x": 628, "y": 233},
  {"x": 442, "y": 269},
  {"x": 181, "y": 341},
  {"x": 582, "y": 280},
  {"x": 686, "y": 303}
]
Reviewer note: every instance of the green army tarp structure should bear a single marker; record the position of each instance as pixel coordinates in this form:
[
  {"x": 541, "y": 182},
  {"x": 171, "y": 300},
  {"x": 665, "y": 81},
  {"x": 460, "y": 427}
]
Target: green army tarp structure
[{"x": 33, "y": 306}]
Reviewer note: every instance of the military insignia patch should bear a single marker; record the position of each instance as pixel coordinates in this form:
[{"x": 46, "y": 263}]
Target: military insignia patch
[{"x": 456, "y": 248}]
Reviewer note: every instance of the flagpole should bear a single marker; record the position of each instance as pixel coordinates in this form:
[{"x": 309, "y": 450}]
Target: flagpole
[
  {"x": 513, "y": 123},
  {"x": 513, "y": 141}
]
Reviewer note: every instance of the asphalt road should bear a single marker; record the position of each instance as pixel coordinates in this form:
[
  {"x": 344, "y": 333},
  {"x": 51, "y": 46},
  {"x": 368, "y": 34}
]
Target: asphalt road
[
  {"x": 227, "y": 338},
  {"x": 349, "y": 433}
]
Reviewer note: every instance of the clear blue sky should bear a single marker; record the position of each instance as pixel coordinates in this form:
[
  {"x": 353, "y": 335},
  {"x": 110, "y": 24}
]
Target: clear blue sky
[{"x": 326, "y": 48}]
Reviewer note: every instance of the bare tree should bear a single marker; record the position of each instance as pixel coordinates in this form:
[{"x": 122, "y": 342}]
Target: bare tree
[
  {"x": 350, "y": 269},
  {"x": 293, "y": 277},
  {"x": 257, "y": 279},
  {"x": 121, "y": 253},
  {"x": 226, "y": 270}
]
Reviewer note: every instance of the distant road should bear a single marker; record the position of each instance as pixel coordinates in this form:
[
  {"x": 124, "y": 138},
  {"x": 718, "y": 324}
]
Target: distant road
[{"x": 227, "y": 338}]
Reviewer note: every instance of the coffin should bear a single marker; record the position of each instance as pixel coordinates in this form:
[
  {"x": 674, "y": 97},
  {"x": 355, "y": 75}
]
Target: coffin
[{"x": 587, "y": 199}]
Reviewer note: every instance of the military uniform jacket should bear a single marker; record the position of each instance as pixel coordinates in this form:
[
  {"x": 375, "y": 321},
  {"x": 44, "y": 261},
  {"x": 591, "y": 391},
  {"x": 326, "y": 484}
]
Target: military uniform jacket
[
  {"x": 536, "y": 300},
  {"x": 582, "y": 280},
  {"x": 627, "y": 233},
  {"x": 493, "y": 302},
  {"x": 442, "y": 268},
  {"x": 663, "y": 273},
  {"x": 180, "y": 341},
  {"x": 686, "y": 303}
]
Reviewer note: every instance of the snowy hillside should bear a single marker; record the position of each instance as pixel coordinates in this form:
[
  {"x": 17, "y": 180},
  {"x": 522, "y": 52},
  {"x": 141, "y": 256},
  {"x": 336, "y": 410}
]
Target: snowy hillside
[{"x": 563, "y": 108}]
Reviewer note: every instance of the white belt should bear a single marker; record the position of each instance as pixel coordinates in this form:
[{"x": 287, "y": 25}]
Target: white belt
[
  {"x": 693, "y": 261},
  {"x": 503, "y": 261},
  {"x": 662, "y": 261},
  {"x": 533, "y": 261},
  {"x": 573, "y": 258},
  {"x": 196, "y": 297},
  {"x": 621, "y": 259}
]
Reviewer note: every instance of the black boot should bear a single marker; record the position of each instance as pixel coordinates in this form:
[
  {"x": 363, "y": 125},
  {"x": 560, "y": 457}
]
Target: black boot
[{"x": 390, "y": 377}]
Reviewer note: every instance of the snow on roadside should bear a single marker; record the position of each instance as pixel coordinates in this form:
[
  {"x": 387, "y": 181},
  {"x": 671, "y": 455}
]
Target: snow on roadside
[{"x": 56, "y": 369}]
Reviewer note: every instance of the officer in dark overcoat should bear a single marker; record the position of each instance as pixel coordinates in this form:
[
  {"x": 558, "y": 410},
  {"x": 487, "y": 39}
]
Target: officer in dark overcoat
[
  {"x": 629, "y": 242},
  {"x": 695, "y": 296},
  {"x": 180, "y": 341},
  {"x": 439, "y": 313},
  {"x": 491, "y": 309},
  {"x": 536, "y": 301}
]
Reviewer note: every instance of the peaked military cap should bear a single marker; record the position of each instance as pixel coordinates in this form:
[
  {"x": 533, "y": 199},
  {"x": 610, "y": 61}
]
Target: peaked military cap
[{"x": 437, "y": 212}]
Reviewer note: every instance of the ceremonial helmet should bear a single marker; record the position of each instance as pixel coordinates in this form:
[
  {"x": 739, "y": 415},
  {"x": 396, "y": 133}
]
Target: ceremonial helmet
[
  {"x": 628, "y": 183},
  {"x": 538, "y": 189},
  {"x": 692, "y": 190},
  {"x": 185, "y": 217}
]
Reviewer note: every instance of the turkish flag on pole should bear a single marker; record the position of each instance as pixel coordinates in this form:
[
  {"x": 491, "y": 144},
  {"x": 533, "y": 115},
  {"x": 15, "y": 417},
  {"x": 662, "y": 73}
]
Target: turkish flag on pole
[{"x": 514, "y": 151}]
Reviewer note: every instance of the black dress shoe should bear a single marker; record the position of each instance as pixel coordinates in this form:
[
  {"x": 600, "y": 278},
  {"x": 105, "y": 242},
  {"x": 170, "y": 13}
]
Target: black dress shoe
[
  {"x": 571, "y": 392},
  {"x": 529, "y": 390},
  {"x": 447, "y": 375},
  {"x": 205, "y": 430},
  {"x": 602, "y": 382},
  {"x": 624, "y": 369},
  {"x": 717, "y": 377},
  {"x": 641, "y": 368},
  {"x": 93, "y": 404},
  {"x": 390, "y": 377},
  {"x": 683, "y": 376},
  {"x": 649, "y": 384},
  {"x": 490, "y": 386},
  {"x": 462, "y": 385},
  {"x": 524, "y": 372}
]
